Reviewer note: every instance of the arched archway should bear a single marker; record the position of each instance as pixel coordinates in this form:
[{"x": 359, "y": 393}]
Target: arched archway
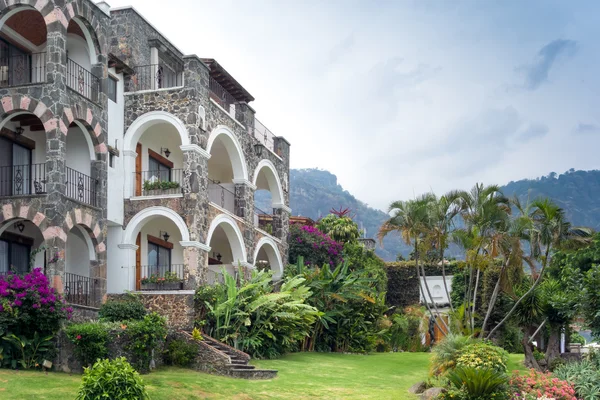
[
  {"x": 153, "y": 143},
  {"x": 23, "y": 48},
  {"x": 82, "y": 42},
  {"x": 267, "y": 253},
  {"x": 227, "y": 245},
  {"x": 21, "y": 246},
  {"x": 266, "y": 178}
]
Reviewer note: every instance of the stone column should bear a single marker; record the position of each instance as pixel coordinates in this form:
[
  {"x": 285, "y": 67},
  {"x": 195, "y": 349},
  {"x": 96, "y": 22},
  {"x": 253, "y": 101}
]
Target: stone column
[
  {"x": 195, "y": 258},
  {"x": 129, "y": 157},
  {"x": 55, "y": 259},
  {"x": 244, "y": 200},
  {"x": 281, "y": 227}
]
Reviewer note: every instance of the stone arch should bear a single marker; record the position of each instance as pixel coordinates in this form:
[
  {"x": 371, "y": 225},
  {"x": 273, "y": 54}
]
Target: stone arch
[
  {"x": 233, "y": 148},
  {"x": 46, "y": 9},
  {"x": 88, "y": 123},
  {"x": 137, "y": 222},
  {"x": 272, "y": 181},
  {"x": 90, "y": 37},
  {"x": 233, "y": 233},
  {"x": 19, "y": 104},
  {"x": 137, "y": 128},
  {"x": 273, "y": 255},
  {"x": 90, "y": 224}
]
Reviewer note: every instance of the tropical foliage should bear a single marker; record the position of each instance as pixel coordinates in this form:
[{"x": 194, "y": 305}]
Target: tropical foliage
[
  {"x": 314, "y": 246},
  {"x": 112, "y": 379},
  {"x": 471, "y": 383}
]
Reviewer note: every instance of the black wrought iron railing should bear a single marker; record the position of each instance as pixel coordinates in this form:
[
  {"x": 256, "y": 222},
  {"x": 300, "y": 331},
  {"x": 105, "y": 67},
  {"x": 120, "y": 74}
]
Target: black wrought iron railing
[
  {"x": 168, "y": 272},
  {"x": 82, "y": 81},
  {"x": 22, "y": 69},
  {"x": 264, "y": 135},
  {"x": 156, "y": 183},
  {"x": 221, "y": 196},
  {"x": 219, "y": 94},
  {"x": 153, "y": 77},
  {"x": 18, "y": 180},
  {"x": 81, "y": 187},
  {"x": 80, "y": 290},
  {"x": 257, "y": 213}
]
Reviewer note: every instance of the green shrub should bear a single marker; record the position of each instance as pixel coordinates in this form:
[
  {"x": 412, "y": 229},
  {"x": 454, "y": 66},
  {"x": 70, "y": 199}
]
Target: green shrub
[
  {"x": 447, "y": 351},
  {"x": 577, "y": 338},
  {"x": 181, "y": 353},
  {"x": 127, "y": 309},
  {"x": 483, "y": 355},
  {"x": 90, "y": 341},
  {"x": 470, "y": 383},
  {"x": 145, "y": 335},
  {"x": 115, "y": 380},
  {"x": 403, "y": 333},
  {"x": 584, "y": 376}
]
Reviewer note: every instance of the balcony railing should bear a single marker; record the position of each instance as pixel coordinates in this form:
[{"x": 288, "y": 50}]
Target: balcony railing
[
  {"x": 81, "y": 187},
  {"x": 219, "y": 94},
  {"x": 153, "y": 77},
  {"x": 221, "y": 196},
  {"x": 161, "y": 277},
  {"x": 80, "y": 290},
  {"x": 264, "y": 135},
  {"x": 158, "y": 183},
  {"x": 82, "y": 81},
  {"x": 18, "y": 180},
  {"x": 22, "y": 69},
  {"x": 257, "y": 213}
]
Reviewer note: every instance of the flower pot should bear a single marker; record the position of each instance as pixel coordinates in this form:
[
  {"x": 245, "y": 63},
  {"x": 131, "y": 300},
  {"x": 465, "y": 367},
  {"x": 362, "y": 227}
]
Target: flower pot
[
  {"x": 172, "y": 286},
  {"x": 150, "y": 286}
]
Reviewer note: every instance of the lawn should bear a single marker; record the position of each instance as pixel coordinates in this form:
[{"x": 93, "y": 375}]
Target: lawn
[{"x": 301, "y": 376}]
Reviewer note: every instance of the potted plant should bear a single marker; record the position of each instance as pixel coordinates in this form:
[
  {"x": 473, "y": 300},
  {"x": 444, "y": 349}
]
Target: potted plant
[
  {"x": 157, "y": 187},
  {"x": 150, "y": 283},
  {"x": 169, "y": 281}
]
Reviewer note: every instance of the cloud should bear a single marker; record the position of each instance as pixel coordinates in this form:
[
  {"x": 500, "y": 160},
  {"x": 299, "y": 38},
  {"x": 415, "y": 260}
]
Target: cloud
[
  {"x": 342, "y": 48},
  {"x": 533, "y": 131},
  {"x": 537, "y": 72},
  {"x": 586, "y": 128}
]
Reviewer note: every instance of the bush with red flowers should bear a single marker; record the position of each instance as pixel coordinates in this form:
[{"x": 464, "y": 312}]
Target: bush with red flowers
[
  {"x": 316, "y": 247},
  {"x": 29, "y": 304},
  {"x": 535, "y": 385}
]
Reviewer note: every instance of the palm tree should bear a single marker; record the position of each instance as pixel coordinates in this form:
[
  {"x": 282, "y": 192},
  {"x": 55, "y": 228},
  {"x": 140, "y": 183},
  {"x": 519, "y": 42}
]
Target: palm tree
[
  {"x": 442, "y": 214},
  {"x": 550, "y": 231},
  {"x": 411, "y": 219},
  {"x": 485, "y": 211}
]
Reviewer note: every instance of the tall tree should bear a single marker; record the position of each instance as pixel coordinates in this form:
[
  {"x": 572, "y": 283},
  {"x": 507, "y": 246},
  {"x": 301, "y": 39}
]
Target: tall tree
[{"x": 411, "y": 219}]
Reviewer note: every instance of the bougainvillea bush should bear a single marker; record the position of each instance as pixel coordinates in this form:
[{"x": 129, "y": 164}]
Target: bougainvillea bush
[
  {"x": 29, "y": 304},
  {"x": 534, "y": 385},
  {"x": 316, "y": 247}
]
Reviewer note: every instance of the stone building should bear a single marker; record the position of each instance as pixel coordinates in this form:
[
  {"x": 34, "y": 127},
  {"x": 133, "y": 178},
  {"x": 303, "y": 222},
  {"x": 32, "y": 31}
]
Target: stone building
[{"x": 123, "y": 159}]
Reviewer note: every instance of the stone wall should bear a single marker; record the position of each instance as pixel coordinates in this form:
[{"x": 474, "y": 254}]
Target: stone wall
[
  {"x": 83, "y": 313},
  {"x": 176, "y": 306}
]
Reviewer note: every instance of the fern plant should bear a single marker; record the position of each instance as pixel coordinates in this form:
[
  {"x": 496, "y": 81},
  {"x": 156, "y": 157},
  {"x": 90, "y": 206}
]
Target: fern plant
[{"x": 478, "y": 383}]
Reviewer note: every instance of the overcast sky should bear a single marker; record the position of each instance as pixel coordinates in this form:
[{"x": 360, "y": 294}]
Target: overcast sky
[{"x": 401, "y": 97}]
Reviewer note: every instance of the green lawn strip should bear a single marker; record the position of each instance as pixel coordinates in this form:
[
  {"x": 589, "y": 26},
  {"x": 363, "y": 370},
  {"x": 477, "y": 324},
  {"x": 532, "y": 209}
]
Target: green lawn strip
[{"x": 301, "y": 376}]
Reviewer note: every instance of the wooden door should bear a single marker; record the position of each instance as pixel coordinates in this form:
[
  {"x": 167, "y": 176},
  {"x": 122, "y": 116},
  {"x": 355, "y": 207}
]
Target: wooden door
[
  {"x": 138, "y": 170},
  {"x": 138, "y": 262}
]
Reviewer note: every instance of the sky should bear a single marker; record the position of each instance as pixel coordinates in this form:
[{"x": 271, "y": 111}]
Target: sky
[{"x": 402, "y": 97}]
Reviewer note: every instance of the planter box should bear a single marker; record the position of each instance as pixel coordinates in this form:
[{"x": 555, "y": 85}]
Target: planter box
[{"x": 162, "y": 286}]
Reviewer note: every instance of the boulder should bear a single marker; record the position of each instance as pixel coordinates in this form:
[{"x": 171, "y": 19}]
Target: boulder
[
  {"x": 432, "y": 394},
  {"x": 418, "y": 388}
]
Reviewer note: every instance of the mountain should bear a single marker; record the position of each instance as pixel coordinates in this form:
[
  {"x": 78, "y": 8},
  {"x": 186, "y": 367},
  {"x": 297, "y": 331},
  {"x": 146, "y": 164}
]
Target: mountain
[{"x": 314, "y": 192}]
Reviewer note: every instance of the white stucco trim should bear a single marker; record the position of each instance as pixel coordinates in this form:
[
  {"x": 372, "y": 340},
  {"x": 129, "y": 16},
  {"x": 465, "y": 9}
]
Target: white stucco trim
[
  {"x": 244, "y": 182},
  {"x": 129, "y": 153},
  {"x": 195, "y": 244},
  {"x": 267, "y": 234},
  {"x": 283, "y": 207},
  {"x": 150, "y": 213},
  {"x": 142, "y": 123},
  {"x": 272, "y": 180},
  {"x": 246, "y": 265},
  {"x": 195, "y": 148},
  {"x": 153, "y": 90},
  {"x": 128, "y": 246},
  {"x": 234, "y": 150},
  {"x": 278, "y": 273},
  {"x": 234, "y": 236},
  {"x": 163, "y": 196},
  {"x": 13, "y": 35}
]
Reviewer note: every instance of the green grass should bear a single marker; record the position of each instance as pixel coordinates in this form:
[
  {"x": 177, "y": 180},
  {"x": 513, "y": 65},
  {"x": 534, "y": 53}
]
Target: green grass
[{"x": 301, "y": 376}]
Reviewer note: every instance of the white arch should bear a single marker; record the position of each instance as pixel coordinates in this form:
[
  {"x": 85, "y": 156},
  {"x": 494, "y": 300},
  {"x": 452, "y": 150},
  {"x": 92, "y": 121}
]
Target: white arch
[
  {"x": 88, "y": 39},
  {"x": 272, "y": 179},
  {"x": 143, "y": 122},
  {"x": 147, "y": 215},
  {"x": 272, "y": 254},
  {"x": 88, "y": 241},
  {"x": 234, "y": 236},
  {"x": 234, "y": 150}
]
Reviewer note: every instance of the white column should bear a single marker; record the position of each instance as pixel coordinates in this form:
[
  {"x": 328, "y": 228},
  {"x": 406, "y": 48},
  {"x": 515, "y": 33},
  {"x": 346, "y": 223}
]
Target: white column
[{"x": 129, "y": 157}]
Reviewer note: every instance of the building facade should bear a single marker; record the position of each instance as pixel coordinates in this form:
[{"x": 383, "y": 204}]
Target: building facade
[{"x": 124, "y": 162}]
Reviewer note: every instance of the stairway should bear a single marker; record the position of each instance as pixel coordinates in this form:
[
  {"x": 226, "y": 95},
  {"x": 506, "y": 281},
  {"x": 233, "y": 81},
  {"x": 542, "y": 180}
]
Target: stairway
[{"x": 238, "y": 362}]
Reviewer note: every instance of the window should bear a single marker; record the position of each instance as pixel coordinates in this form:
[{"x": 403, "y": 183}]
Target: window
[
  {"x": 158, "y": 171},
  {"x": 159, "y": 259},
  {"x": 14, "y": 257},
  {"x": 111, "y": 90}
]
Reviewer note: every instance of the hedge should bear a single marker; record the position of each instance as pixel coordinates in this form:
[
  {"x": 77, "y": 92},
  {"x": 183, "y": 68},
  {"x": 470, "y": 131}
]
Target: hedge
[{"x": 403, "y": 284}]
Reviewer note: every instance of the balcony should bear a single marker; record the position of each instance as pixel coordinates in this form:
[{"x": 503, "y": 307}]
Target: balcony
[
  {"x": 21, "y": 180},
  {"x": 80, "y": 290},
  {"x": 158, "y": 182},
  {"x": 259, "y": 220},
  {"x": 264, "y": 135},
  {"x": 81, "y": 187},
  {"x": 221, "y": 195},
  {"x": 154, "y": 77},
  {"x": 161, "y": 277},
  {"x": 23, "y": 69},
  {"x": 82, "y": 81}
]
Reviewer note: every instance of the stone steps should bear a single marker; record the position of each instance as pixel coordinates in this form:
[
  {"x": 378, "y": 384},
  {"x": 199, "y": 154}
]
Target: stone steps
[{"x": 239, "y": 366}]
